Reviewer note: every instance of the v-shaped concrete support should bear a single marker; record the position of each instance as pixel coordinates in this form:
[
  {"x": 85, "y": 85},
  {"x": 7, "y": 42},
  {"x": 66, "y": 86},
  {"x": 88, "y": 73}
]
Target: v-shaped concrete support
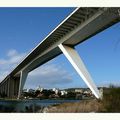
[
  {"x": 23, "y": 77},
  {"x": 79, "y": 66}
]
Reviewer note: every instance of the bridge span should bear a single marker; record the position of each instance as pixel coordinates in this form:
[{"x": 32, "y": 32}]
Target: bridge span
[{"x": 80, "y": 25}]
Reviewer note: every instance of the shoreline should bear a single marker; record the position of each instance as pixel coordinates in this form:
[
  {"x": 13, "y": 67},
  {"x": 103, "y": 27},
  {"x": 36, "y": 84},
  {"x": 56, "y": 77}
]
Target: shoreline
[{"x": 85, "y": 106}]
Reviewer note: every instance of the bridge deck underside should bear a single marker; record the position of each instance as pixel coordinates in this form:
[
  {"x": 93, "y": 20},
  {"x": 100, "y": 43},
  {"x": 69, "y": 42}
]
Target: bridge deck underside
[{"x": 83, "y": 24}]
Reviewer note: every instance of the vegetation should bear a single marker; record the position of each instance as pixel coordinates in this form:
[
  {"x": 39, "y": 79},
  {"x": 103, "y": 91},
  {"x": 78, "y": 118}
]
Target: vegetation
[
  {"x": 111, "y": 100},
  {"x": 49, "y": 94},
  {"x": 78, "y": 107},
  {"x": 109, "y": 103}
]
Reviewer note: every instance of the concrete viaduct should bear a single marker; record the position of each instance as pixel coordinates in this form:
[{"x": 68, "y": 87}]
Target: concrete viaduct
[{"x": 80, "y": 25}]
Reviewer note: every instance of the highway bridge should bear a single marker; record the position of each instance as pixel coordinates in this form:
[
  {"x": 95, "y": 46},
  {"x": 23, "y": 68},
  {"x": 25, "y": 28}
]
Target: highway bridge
[{"x": 79, "y": 26}]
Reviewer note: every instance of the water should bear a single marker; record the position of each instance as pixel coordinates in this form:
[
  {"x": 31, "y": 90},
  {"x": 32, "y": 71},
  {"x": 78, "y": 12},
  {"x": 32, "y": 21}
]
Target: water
[{"x": 28, "y": 105}]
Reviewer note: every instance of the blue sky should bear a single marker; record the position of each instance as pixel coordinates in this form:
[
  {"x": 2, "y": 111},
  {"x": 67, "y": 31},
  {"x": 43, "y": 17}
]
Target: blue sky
[{"x": 21, "y": 29}]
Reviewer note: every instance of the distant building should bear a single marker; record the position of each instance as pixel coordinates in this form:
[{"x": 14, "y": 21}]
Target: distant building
[
  {"x": 25, "y": 90},
  {"x": 63, "y": 92},
  {"x": 87, "y": 92},
  {"x": 40, "y": 89},
  {"x": 78, "y": 91},
  {"x": 31, "y": 91},
  {"x": 55, "y": 90}
]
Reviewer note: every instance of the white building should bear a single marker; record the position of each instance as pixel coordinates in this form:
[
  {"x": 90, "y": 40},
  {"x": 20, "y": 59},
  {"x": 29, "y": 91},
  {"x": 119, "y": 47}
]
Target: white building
[
  {"x": 55, "y": 90},
  {"x": 78, "y": 91},
  {"x": 63, "y": 92},
  {"x": 40, "y": 89},
  {"x": 25, "y": 90},
  {"x": 31, "y": 91}
]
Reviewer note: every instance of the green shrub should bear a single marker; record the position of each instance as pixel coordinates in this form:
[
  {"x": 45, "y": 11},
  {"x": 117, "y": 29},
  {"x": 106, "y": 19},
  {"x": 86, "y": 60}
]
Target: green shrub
[{"x": 111, "y": 100}]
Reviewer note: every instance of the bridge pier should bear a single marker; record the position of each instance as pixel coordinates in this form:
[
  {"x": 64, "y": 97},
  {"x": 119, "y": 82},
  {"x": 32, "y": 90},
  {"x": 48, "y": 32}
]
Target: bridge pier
[
  {"x": 16, "y": 86},
  {"x": 11, "y": 87},
  {"x": 2, "y": 90},
  {"x": 5, "y": 88},
  {"x": 8, "y": 87},
  {"x": 23, "y": 77},
  {"x": 79, "y": 66}
]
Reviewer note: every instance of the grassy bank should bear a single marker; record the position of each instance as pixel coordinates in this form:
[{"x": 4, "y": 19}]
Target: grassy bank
[
  {"x": 109, "y": 103},
  {"x": 111, "y": 100},
  {"x": 83, "y": 106}
]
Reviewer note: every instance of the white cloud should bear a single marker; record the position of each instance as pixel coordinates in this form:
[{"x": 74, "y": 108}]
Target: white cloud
[
  {"x": 2, "y": 61},
  {"x": 12, "y": 52},
  {"x": 48, "y": 75},
  {"x": 3, "y": 74},
  {"x": 10, "y": 61},
  {"x": 13, "y": 57}
]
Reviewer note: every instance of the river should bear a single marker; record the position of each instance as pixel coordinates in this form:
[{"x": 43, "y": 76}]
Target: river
[{"x": 28, "y": 105}]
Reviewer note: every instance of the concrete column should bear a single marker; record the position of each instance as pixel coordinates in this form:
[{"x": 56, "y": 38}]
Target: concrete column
[
  {"x": 14, "y": 90},
  {"x": 0, "y": 90},
  {"x": 8, "y": 87},
  {"x": 79, "y": 66},
  {"x": 5, "y": 88},
  {"x": 11, "y": 87},
  {"x": 23, "y": 77},
  {"x": 16, "y": 86}
]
